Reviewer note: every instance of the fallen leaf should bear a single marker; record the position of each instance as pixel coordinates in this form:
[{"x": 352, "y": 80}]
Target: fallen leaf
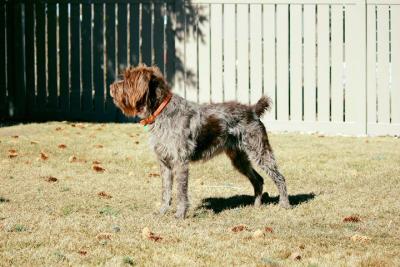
[
  {"x": 62, "y": 146},
  {"x": 153, "y": 175},
  {"x": 104, "y": 236},
  {"x": 12, "y": 151},
  {"x": 82, "y": 252},
  {"x": 239, "y": 228},
  {"x": 268, "y": 230},
  {"x": 147, "y": 234},
  {"x": 12, "y": 154},
  {"x": 360, "y": 238},
  {"x": 72, "y": 159},
  {"x": 43, "y": 156},
  {"x": 98, "y": 168},
  {"x": 96, "y": 162},
  {"x": 352, "y": 218},
  {"x": 295, "y": 256},
  {"x": 51, "y": 179},
  {"x": 258, "y": 233},
  {"x": 98, "y": 146},
  {"x": 104, "y": 195},
  {"x": 34, "y": 142},
  {"x": 14, "y": 136}
]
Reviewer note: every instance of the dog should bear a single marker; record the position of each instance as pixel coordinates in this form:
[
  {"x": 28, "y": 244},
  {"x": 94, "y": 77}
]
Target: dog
[{"x": 182, "y": 131}]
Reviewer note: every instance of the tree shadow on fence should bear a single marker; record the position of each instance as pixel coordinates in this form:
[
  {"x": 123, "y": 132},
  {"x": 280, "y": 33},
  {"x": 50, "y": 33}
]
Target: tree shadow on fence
[
  {"x": 59, "y": 82},
  {"x": 219, "y": 204}
]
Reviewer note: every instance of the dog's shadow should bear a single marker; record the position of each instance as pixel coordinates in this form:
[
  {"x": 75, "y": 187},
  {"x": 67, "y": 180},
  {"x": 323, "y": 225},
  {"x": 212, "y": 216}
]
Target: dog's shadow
[{"x": 219, "y": 204}]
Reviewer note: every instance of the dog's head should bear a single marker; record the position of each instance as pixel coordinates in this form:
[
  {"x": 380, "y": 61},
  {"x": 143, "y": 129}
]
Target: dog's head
[{"x": 140, "y": 92}]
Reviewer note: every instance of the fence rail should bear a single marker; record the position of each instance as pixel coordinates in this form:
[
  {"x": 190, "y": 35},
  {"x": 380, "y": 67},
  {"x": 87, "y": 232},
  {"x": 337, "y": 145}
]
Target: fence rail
[{"x": 330, "y": 66}]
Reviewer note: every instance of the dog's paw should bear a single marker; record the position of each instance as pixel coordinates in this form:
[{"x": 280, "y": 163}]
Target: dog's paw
[
  {"x": 285, "y": 204},
  {"x": 163, "y": 209},
  {"x": 180, "y": 213},
  {"x": 257, "y": 202}
]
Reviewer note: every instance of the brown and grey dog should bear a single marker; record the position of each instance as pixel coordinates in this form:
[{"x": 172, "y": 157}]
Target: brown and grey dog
[{"x": 185, "y": 131}]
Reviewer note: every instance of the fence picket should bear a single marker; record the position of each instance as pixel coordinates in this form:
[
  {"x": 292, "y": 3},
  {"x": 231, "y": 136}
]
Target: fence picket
[
  {"x": 134, "y": 41},
  {"x": 255, "y": 53},
  {"x": 110, "y": 54},
  {"x": 309, "y": 64},
  {"x": 98, "y": 59},
  {"x": 216, "y": 53},
  {"x": 323, "y": 64},
  {"x": 371, "y": 65},
  {"x": 337, "y": 63},
  {"x": 178, "y": 28},
  {"x": 86, "y": 39},
  {"x": 41, "y": 56},
  {"x": 52, "y": 56},
  {"x": 146, "y": 34},
  {"x": 229, "y": 53},
  {"x": 269, "y": 56},
  {"x": 395, "y": 16},
  {"x": 3, "y": 89},
  {"x": 64, "y": 57},
  {"x": 171, "y": 54},
  {"x": 355, "y": 36},
  {"x": 243, "y": 95},
  {"x": 29, "y": 55},
  {"x": 191, "y": 57},
  {"x": 158, "y": 36},
  {"x": 383, "y": 64},
  {"x": 282, "y": 103},
  {"x": 204, "y": 54},
  {"x": 296, "y": 83},
  {"x": 15, "y": 60},
  {"x": 122, "y": 50}
]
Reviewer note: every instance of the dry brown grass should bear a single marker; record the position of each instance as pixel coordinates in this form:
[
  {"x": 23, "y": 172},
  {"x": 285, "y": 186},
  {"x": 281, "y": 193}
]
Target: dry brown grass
[{"x": 61, "y": 210}]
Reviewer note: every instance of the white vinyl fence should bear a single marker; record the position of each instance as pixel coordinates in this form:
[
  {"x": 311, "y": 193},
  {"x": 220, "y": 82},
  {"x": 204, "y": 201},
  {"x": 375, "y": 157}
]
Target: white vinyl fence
[{"x": 330, "y": 66}]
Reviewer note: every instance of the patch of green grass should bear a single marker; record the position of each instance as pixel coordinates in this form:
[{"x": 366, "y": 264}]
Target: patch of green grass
[
  {"x": 67, "y": 210},
  {"x": 59, "y": 256},
  {"x": 107, "y": 210},
  {"x": 19, "y": 228},
  {"x": 128, "y": 260},
  {"x": 328, "y": 179}
]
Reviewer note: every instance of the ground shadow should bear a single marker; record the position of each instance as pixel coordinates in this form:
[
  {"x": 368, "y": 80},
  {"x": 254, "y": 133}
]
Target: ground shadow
[{"x": 219, "y": 204}]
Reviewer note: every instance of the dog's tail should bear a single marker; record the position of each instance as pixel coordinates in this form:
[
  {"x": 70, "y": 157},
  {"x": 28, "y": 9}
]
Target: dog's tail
[{"x": 264, "y": 104}]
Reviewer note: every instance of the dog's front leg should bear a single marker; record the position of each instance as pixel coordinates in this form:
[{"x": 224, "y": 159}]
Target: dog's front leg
[
  {"x": 166, "y": 174},
  {"x": 181, "y": 173}
]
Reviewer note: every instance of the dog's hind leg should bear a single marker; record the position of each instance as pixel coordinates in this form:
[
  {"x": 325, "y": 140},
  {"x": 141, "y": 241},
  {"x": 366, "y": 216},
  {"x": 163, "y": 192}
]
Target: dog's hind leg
[
  {"x": 166, "y": 174},
  {"x": 260, "y": 152},
  {"x": 242, "y": 163}
]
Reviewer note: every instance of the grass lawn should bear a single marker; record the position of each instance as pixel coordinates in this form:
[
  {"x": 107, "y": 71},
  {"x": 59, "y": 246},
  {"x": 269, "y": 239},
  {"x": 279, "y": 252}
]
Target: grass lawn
[{"x": 57, "y": 209}]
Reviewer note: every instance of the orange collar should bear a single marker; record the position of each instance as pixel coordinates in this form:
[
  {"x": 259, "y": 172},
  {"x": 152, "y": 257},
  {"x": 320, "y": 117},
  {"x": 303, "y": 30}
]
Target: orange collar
[{"x": 152, "y": 118}]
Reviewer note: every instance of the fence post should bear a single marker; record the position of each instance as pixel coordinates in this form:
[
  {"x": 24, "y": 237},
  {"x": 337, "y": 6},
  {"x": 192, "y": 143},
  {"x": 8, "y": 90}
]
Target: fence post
[{"x": 356, "y": 61}]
